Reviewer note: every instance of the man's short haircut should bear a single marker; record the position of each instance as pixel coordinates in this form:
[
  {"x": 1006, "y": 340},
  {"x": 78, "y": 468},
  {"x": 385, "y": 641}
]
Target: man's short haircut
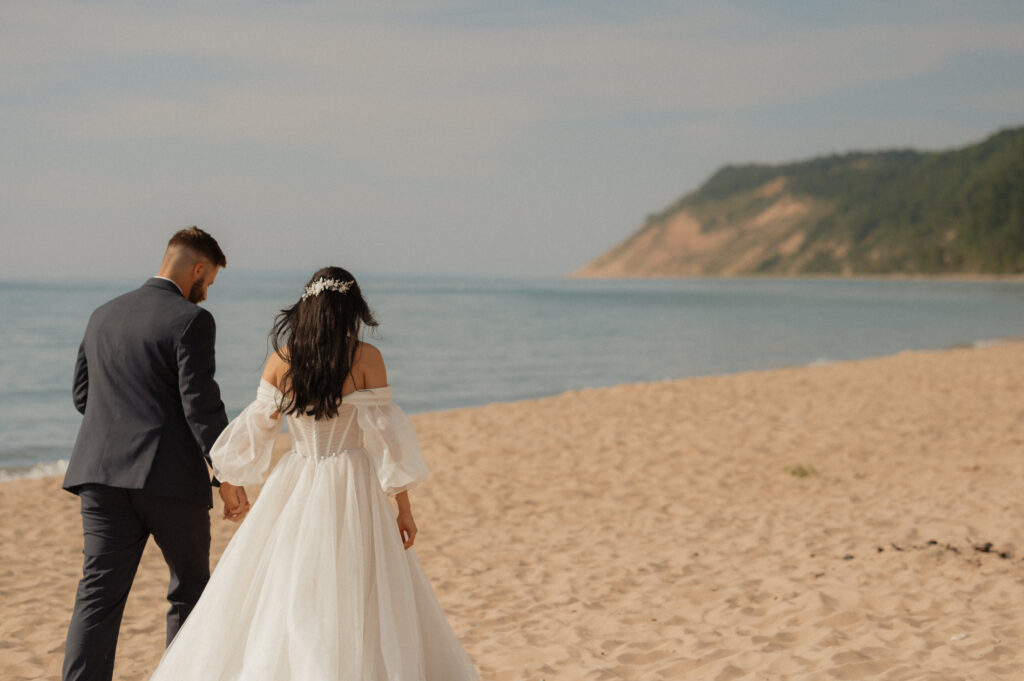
[{"x": 201, "y": 243}]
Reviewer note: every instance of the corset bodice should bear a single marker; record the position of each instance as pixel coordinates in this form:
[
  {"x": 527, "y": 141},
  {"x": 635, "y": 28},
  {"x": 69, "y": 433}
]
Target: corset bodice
[{"x": 326, "y": 437}]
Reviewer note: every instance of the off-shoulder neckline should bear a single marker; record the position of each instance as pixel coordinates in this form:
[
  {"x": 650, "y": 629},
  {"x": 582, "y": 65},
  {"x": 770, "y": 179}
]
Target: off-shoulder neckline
[{"x": 369, "y": 392}]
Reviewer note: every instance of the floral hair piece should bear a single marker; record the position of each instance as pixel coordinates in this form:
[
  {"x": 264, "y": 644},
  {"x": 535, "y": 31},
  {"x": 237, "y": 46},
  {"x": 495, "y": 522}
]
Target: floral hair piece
[{"x": 321, "y": 285}]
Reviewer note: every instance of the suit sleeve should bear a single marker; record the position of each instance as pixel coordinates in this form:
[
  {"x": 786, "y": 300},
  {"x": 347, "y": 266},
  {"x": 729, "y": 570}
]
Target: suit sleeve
[
  {"x": 200, "y": 394},
  {"x": 80, "y": 386}
]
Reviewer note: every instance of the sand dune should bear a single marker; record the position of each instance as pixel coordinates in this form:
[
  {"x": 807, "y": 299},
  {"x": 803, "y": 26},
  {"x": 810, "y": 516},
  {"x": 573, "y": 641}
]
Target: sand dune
[{"x": 662, "y": 531}]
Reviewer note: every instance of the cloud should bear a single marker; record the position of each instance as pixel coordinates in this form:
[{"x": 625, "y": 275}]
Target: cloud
[
  {"x": 452, "y": 126},
  {"x": 304, "y": 75}
]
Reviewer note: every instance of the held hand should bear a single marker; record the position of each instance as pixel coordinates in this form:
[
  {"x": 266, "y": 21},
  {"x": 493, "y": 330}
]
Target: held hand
[
  {"x": 406, "y": 528},
  {"x": 236, "y": 503}
]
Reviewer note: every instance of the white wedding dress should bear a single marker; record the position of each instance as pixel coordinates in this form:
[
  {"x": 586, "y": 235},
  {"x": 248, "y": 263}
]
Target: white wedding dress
[{"x": 315, "y": 585}]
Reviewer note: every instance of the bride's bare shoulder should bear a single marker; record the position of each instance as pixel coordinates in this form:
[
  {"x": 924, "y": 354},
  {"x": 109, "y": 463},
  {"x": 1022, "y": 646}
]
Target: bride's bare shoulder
[
  {"x": 366, "y": 352},
  {"x": 275, "y": 368},
  {"x": 368, "y": 363}
]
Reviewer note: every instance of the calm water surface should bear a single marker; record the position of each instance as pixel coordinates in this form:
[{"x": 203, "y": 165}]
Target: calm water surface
[{"x": 453, "y": 342}]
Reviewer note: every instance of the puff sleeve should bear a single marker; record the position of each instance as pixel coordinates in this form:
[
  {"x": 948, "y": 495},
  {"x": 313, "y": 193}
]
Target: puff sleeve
[
  {"x": 390, "y": 441},
  {"x": 241, "y": 455}
]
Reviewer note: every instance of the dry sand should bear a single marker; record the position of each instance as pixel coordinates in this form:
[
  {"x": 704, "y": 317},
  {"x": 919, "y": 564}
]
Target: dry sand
[{"x": 653, "y": 531}]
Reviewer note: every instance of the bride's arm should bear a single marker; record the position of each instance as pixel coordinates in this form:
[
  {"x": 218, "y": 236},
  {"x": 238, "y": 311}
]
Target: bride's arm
[
  {"x": 406, "y": 524},
  {"x": 236, "y": 501},
  {"x": 371, "y": 373},
  {"x": 244, "y": 449}
]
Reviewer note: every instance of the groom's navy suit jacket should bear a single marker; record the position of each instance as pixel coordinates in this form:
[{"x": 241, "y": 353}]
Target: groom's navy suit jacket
[{"x": 144, "y": 382}]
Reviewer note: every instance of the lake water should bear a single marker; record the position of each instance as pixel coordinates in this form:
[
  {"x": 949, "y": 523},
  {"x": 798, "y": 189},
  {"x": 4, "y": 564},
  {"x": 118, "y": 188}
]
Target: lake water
[{"x": 455, "y": 342}]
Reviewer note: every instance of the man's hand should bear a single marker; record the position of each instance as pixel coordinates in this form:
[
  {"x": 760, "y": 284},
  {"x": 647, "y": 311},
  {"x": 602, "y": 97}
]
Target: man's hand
[{"x": 236, "y": 503}]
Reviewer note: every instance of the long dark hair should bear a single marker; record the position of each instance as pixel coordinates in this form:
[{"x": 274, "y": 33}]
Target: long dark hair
[{"x": 318, "y": 337}]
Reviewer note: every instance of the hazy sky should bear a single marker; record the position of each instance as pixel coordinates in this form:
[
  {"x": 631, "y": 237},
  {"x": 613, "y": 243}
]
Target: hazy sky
[{"x": 511, "y": 138}]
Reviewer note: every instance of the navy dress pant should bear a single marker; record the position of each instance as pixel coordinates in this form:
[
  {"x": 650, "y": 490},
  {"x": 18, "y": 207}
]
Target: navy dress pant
[{"x": 116, "y": 524}]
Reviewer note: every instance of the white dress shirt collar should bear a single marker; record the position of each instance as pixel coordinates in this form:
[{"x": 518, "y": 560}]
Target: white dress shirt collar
[{"x": 157, "y": 276}]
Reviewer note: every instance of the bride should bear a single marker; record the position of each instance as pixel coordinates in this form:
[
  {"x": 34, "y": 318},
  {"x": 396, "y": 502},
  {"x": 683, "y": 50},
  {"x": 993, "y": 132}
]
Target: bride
[{"x": 319, "y": 582}]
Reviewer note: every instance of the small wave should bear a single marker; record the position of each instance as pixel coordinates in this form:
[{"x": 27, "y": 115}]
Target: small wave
[
  {"x": 986, "y": 343},
  {"x": 990, "y": 342},
  {"x": 820, "y": 362},
  {"x": 40, "y": 470}
]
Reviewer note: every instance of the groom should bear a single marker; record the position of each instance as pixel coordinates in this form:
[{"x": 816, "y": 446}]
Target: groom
[{"x": 152, "y": 409}]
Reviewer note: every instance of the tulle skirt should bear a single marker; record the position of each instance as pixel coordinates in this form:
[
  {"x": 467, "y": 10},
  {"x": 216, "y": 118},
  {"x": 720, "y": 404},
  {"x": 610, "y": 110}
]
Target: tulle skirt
[{"x": 316, "y": 585}]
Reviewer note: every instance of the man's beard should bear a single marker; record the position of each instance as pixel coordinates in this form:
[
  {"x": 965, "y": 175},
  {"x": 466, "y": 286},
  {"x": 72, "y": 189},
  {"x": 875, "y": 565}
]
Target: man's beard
[{"x": 195, "y": 294}]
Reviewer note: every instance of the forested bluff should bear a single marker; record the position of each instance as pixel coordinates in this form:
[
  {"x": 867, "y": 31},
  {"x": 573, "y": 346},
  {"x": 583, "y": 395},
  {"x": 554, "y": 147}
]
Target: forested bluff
[{"x": 957, "y": 212}]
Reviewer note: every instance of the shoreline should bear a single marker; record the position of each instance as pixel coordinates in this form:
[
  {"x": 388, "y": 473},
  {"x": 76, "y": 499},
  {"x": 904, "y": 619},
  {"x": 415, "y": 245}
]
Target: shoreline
[
  {"x": 52, "y": 469},
  {"x": 47, "y": 469}
]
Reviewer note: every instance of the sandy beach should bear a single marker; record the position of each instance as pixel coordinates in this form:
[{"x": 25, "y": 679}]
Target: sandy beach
[{"x": 856, "y": 520}]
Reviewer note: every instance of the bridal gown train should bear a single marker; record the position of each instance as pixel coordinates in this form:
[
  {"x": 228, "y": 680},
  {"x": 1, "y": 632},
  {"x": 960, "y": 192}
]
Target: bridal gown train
[{"x": 315, "y": 585}]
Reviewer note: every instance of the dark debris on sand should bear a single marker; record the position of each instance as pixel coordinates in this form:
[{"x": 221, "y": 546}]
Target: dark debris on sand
[{"x": 987, "y": 547}]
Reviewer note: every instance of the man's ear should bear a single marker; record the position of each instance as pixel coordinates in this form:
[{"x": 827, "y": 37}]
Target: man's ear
[{"x": 198, "y": 270}]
